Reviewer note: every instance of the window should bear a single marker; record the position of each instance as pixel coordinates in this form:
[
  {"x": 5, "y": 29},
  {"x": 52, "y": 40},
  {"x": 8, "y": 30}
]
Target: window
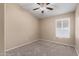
[{"x": 63, "y": 28}]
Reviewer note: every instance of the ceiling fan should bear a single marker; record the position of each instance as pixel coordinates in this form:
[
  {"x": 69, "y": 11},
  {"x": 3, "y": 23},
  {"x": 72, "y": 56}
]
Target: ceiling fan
[{"x": 43, "y": 6}]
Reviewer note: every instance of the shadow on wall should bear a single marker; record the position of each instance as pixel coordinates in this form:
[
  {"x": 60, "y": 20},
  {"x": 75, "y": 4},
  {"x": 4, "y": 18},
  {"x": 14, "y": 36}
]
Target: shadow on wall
[{"x": 1, "y": 28}]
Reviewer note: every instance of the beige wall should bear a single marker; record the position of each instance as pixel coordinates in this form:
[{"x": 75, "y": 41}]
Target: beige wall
[
  {"x": 21, "y": 27},
  {"x": 48, "y": 29},
  {"x": 77, "y": 29},
  {"x": 1, "y": 27}
]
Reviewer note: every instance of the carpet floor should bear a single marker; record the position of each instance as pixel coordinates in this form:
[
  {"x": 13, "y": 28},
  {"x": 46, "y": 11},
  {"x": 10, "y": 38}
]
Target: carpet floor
[{"x": 43, "y": 48}]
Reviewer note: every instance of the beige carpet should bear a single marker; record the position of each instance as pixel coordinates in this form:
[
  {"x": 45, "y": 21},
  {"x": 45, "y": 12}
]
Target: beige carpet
[{"x": 43, "y": 48}]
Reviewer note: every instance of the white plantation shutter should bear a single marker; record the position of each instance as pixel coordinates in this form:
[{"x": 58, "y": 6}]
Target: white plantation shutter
[{"x": 63, "y": 28}]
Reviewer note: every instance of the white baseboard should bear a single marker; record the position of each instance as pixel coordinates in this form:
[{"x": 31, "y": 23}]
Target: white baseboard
[
  {"x": 59, "y": 43},
  {"x": 77, "y": 51},
  {"x": 20, "y": 45}
]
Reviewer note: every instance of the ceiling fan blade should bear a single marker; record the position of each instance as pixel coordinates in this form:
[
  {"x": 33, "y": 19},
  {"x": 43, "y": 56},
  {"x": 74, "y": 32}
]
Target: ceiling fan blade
[
  {"x": 38, "y": 3},
  {"x": 47, "y": 3},
  {"x": 35, "y": 8},
  {"x": 49, "y": 8},
  {"x": 42, "y": 11}
]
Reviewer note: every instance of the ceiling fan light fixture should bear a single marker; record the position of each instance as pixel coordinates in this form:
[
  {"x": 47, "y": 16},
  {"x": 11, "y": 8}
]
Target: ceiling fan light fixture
[{"x": 43, "y": 7}]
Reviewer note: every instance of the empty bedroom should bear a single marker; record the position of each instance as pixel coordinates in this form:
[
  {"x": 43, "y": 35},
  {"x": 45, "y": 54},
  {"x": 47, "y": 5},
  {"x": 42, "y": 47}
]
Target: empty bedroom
[{"x": 42, "y": 29}]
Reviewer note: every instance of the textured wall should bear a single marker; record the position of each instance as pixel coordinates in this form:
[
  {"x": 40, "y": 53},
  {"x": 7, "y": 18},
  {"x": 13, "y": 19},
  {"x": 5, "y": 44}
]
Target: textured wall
[
  {"x": 1, "y": 27},
  {"x": 21, "y": 27},
  {"x": 77, "y": 29}
]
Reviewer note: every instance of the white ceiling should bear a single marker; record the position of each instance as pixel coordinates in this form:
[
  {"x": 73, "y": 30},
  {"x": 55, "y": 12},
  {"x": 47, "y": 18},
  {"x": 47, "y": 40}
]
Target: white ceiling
[{"x": 59, "y": 8}]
